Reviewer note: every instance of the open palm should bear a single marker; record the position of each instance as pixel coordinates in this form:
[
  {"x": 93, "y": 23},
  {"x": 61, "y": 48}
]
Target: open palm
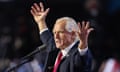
[
  {"x": 38, "y": 12},
  {"x": 83, "y": 33}
]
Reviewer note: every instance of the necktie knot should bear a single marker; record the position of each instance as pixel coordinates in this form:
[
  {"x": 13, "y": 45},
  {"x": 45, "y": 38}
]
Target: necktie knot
[{"x": 60, "y": 56}]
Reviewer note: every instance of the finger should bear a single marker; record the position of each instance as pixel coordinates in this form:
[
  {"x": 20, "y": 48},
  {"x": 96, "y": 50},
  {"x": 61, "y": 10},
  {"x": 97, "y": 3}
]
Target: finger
[
  {"x": 83, "y": 25},
  {"x": 46, "y": 11},
  {"x": 34, "y": 10},
  {"x": 91, "y": 29},
  {"x": 87, "y": 25},
  {"x": 36, "y": 7},
  {"x": 79, "y": 27},
  {"x": 42, "y": 7}
]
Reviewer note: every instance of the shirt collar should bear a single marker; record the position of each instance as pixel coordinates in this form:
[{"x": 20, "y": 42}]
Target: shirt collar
[{"x": 67, "y": 49}]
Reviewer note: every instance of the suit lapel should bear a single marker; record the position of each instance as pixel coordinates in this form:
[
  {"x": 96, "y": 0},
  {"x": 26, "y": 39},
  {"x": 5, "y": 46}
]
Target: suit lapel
[
  {"x": 72, "y": 50},
  {"x": 51, "y": 59}
]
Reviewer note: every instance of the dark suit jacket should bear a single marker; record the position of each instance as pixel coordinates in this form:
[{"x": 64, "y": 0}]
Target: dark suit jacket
[{"x": 73, "y": 62}]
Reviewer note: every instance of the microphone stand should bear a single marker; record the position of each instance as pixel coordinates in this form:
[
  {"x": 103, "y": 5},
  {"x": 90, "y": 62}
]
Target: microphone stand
[
  {"x": 27, "y": 58},
  {"x": 13, "y": 69}
]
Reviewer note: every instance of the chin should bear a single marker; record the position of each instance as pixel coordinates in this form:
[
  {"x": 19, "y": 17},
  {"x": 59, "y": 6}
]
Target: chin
[{"x": 58, "y": 46}]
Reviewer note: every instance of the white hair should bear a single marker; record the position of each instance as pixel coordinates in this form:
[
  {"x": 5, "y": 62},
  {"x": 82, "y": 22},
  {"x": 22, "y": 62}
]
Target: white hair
[{"x": 71, "y": 24}]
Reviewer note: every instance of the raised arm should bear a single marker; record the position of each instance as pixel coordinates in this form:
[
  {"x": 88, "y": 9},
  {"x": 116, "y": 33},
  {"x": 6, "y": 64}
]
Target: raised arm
[{"x": 39, "y": 14}]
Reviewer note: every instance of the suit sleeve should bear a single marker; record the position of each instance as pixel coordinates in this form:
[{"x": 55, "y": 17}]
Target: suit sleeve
[
  {"x": 87, "y": 61},
  {"x": 81, "y": 63},
  {"x": 47, "y": 39}
]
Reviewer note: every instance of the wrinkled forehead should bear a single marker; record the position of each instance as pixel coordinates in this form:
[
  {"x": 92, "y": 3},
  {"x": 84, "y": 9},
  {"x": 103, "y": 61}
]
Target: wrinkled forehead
[{"x": 60, "y": 24}]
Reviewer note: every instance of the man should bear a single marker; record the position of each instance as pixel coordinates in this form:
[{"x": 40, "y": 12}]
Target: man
[{"x": 69, "y": 38}]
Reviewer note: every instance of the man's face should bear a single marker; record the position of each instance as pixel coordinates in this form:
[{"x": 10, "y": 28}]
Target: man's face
[{"x": 62, "y": 37}]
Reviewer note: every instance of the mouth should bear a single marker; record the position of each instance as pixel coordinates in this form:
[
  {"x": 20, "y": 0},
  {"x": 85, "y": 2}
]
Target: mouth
[{"x": 57, "y": 41}]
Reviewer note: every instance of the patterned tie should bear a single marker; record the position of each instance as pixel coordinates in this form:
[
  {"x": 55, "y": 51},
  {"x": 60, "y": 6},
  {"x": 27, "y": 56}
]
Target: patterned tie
[{"x": 59, "y": 58}]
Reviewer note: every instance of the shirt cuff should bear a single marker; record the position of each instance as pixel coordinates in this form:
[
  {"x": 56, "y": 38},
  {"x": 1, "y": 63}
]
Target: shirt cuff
[
  {"x": 43, "y": 30},
  {"x": 83, "y": 51}
]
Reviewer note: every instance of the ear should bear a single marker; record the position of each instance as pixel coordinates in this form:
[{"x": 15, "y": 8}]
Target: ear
[{"x": 73, "y": 35}]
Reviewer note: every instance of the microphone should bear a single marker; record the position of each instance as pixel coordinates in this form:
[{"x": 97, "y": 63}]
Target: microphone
[{"x": 40, "y": 48}]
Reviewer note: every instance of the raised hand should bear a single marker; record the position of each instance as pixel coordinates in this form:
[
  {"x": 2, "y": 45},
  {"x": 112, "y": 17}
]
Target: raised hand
[
  {"x": 83, "y": 33},
  {"x": 38, "y": 12}
]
